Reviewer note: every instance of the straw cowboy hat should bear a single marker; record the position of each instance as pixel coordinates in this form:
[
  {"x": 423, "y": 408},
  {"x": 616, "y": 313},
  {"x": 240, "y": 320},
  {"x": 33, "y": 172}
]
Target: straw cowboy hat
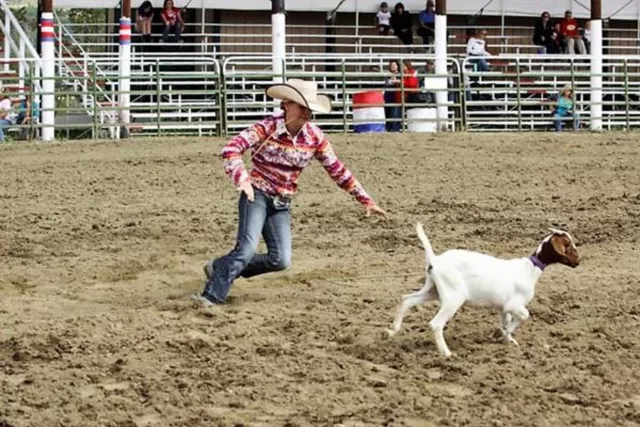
[{"x": 301, "y": 92}]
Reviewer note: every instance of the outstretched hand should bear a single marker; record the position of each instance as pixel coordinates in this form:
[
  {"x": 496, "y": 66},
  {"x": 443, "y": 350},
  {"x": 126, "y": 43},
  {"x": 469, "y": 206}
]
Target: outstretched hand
[{"x": 376, "y": 210}]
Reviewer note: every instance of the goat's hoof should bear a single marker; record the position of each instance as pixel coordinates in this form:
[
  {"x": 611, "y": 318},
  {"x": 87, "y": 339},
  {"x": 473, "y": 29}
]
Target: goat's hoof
[
  {"x": 513, "y": 341},
  {"x": 391, "y": 333},
  {"x": 447, "y": 355}
]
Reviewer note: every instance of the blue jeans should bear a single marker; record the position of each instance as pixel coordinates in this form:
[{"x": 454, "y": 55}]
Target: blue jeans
[
  {"x": 172, "y": 29},
  {"x": 264, "y": 216},
  {"x": 558, "y": 121},
  {"x": 393, "y": 113},
  {"x": 4, "y": 123},
  {"x": 482, "y": 64}
]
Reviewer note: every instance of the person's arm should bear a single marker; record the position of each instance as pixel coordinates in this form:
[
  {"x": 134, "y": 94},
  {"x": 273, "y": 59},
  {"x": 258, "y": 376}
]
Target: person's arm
[
  {"x": 343, "y": 176},
  {"x": 164, "y": 18},
  {"x": 420, "y": 23},
  {"x": 180, "y": 17},
  {"x": 232, "y": 152}
]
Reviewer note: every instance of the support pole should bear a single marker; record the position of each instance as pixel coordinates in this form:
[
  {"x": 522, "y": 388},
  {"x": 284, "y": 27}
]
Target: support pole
[
  {"x": 278, "y": 38},
  {"x": 48, "y": 71},
  {"x": 596, "y": 65},
  {"x": 7, "y": 45},
  {"x": 125, "y": 69},
  {"x": 441, "y": 63},
  {"x": 21, "y": 69}
]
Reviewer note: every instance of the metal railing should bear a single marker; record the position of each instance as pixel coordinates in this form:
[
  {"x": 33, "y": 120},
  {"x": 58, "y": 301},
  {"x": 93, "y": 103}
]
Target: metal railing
[{"x": 206, "y": 97}]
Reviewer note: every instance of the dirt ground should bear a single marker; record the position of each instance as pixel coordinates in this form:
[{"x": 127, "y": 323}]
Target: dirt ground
[{"x": 102, "y": 243}]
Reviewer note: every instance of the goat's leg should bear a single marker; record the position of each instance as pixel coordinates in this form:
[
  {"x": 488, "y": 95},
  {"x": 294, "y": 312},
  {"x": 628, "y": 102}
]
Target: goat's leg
[
  {"x": 507, "y": 320},
  {"x": 518, "y": 315},
  {"x": 449, "y": 305},
  {"x": 427, "y": 292}
]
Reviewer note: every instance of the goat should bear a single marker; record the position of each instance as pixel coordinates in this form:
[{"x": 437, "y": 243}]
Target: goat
[{"x": 458, "y": 276}]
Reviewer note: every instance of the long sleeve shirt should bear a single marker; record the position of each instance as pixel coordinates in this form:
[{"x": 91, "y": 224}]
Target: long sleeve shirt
[
  {"x": 476, "y": 47},
  {"x": 278, "y": 163}
]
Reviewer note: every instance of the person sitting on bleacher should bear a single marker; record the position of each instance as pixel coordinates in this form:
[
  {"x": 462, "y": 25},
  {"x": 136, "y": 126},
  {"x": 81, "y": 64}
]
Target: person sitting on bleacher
[
  {"x": 144, "y": 19},
  {"x": 476, "y": 48},
  {"x": 586, "y": 36},
  {"x": 28, "y": 112},
  {"x": 553, "y": 44},
  {"x": 563, "y": 105},
  {"x": 173, "y": 22},
  {"x": 401, "y": 24},
  {"x": 570, "y": 34},
  {"x": 542, "y": 32},
  {"x": 383, "y": 18},
  {"x": 6, "y": 115},
  {"x": 427, "y": 23}
]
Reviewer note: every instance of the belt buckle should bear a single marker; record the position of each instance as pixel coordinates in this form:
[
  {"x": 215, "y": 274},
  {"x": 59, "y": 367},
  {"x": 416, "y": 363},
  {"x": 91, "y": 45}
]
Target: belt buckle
[{"x": 281, "y": 201}]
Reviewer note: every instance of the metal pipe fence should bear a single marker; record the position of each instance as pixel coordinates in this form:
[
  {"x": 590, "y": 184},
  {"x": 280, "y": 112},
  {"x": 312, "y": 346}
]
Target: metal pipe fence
[{"x": 204, "y": 97}]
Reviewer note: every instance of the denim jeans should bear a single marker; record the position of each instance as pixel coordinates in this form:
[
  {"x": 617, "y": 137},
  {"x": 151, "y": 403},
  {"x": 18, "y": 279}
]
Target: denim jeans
[
  {"x": 4, "y": 123},
  {"x": 482, "y": 64},
  {"x": 558, "y": 121},
  {"x": 264, "y": 216},
  {"x": 172, "y": 29},
  {"x": 393, "y": 113}
]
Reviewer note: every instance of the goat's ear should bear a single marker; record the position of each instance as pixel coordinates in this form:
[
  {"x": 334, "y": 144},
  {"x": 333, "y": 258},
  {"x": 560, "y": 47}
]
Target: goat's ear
[
  {"x": 558, "y": 243},
  {"x": 556, "y": 231}
]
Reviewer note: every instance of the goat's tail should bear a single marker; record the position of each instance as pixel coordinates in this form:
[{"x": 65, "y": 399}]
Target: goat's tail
[{"x": 429, "y": 255}]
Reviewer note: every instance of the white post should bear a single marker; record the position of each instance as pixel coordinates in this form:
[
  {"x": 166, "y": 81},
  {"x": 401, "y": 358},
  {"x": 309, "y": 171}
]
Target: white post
[
  {"x": 125, "y": 72},
  {"x": 203, "y": 18},
  {"x": 357, "y": 18},
  {"x": 596, "y": 74},
  {"x": 7, "y": 45},
  {"x": 278, "y": 52},
  {"x": 441, "y": 69},
  {"x": 21, "y": 70},
  {"x": 48, "y": 74}
]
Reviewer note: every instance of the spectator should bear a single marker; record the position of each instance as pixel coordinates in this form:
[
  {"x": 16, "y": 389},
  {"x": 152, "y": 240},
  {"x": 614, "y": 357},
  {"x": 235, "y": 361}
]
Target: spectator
[
  {"x": 27, "y": 113},
  {"x": 383, "y": 18},
  {"x": 410, "y": 82},
  {"x": 401, "y": 24},
  {"x": 6, "y": 117},
  {"x": 476, "y": 48},
  {"x": 570, "y": 34},
  {"x": 586, "y": 36},
  {"x": 144, "y": 19},
  {"x": 426, "y": 23},
  {"x": 553, "y": 44},
  {"x": 542, "y": 32},
  {"x": 393, "y": 113},
  {"x": 173, "y": 22},
  {"x": 563, "y": 105}
]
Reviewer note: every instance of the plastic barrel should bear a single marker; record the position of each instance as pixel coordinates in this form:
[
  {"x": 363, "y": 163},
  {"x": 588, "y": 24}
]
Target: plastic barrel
[
  {"x": 415, "y": 117},
  {"x": 368, "y": 112}
]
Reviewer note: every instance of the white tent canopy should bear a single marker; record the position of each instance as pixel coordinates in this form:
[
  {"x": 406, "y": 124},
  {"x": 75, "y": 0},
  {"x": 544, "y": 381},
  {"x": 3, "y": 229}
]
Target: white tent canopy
[{"x": 620, "y": 9}]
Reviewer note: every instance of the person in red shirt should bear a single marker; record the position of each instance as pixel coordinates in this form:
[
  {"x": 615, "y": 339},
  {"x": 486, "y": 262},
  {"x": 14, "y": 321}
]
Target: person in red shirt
[
  {"x": 410, "y": 81},
  {"x": 570, "y": 34},
  {"x": 173, "y": 22}
]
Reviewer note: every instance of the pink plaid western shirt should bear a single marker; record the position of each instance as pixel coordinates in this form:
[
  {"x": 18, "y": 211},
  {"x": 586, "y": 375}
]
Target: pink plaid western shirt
[{"x": 279, "y": 163}]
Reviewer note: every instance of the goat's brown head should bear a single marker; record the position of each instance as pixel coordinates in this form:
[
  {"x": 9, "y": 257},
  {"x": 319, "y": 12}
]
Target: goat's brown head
[{"x": 558, "y": 248}]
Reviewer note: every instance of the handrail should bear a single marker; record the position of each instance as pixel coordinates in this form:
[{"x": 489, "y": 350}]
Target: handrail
[
  {"x": 14, "y": 22},
  {"x": 83, "y": 82}
]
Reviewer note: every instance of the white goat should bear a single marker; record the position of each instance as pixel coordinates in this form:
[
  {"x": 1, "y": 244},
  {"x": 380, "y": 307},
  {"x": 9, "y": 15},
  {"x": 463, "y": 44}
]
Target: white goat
[{"x": 458, "y": 276}]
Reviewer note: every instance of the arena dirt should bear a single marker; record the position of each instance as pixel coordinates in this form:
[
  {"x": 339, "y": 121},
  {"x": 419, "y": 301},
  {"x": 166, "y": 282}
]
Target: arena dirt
[{"x": 102, "y": 243}]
